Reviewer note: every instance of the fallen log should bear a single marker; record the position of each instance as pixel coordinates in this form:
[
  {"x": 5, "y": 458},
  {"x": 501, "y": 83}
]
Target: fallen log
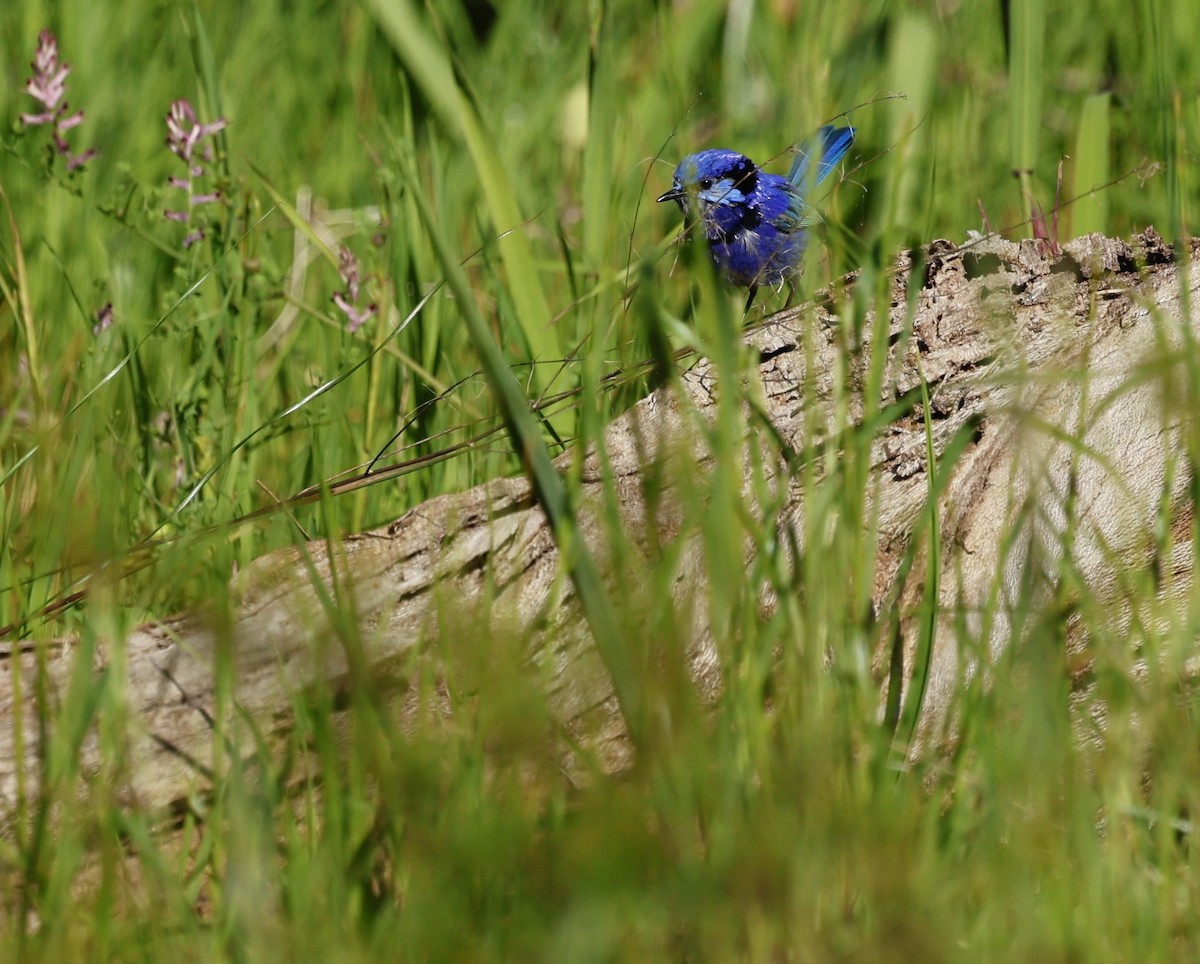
[{"x": 1063, "y": 367}]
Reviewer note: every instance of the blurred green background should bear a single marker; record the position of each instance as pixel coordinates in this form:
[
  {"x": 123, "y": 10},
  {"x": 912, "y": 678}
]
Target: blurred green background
[{"x": 539, "y": 135}]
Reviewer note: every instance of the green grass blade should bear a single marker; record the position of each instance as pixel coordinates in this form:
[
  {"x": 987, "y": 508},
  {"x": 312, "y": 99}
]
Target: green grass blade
[
  {"x": 1092, "y": 169},
  {"x": 429, "y": 65},
  {"x": 552, "y": 494},
  {"x": 1027, "y": 33},
  {"x": 912, "y": 70}
]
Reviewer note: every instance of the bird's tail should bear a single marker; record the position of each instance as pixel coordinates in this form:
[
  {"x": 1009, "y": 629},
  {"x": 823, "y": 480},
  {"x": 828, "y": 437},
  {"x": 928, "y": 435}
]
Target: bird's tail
[{"x": 824, "y": 149}]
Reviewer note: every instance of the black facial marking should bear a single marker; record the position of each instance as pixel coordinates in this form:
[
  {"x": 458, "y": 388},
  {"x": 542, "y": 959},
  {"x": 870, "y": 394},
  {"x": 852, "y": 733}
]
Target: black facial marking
[{"x": 744, "y": 175}]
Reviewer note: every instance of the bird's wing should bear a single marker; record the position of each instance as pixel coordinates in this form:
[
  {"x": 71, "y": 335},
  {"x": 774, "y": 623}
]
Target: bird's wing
[{"x": 795, "y": 214}]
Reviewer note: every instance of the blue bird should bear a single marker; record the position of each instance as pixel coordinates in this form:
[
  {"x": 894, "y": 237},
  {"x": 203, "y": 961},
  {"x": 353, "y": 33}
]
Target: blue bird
[{"x": 755, "y": 222}]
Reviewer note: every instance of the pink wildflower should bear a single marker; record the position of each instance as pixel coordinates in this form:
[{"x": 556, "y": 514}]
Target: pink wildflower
[
  {"x": 48, "y": 86},
  {"x": 345, "y": 300},
  {"x": 190, "y": 141}
]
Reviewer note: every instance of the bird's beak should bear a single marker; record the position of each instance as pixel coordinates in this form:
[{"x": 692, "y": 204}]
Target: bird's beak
[{"x": 675, "y": 194}]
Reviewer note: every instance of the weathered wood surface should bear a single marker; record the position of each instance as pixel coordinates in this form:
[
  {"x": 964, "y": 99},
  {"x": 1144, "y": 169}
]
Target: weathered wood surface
[{"x": 1032, "y": 351}]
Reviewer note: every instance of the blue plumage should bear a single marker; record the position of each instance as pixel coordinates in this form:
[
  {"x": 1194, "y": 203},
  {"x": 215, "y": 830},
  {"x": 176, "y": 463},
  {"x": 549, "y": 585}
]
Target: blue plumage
[{"x": 755, "y": 222}]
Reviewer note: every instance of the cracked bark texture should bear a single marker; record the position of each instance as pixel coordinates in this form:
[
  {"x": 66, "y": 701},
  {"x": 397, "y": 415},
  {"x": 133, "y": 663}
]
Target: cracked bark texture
[{"x": 1067, "y": 368}]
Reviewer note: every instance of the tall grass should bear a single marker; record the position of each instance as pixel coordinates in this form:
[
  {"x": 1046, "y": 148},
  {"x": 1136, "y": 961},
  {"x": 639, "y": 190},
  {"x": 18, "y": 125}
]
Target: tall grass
[{"x": 492, "y": 169}]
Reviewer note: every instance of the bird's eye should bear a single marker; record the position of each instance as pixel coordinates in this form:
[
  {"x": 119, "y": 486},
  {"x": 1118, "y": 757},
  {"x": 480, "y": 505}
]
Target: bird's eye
[{"x": 705, "y": 183}]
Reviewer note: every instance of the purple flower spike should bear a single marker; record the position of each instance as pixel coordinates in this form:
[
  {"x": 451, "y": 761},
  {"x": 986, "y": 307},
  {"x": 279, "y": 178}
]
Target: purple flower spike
[
  {"x": 185, "y": 135},
  {"x": 48, "y": 86},
  {"x": 184, "y": 132},
  {"x": 49, "y": 81},
  {"x": 345, "y": 300}
]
